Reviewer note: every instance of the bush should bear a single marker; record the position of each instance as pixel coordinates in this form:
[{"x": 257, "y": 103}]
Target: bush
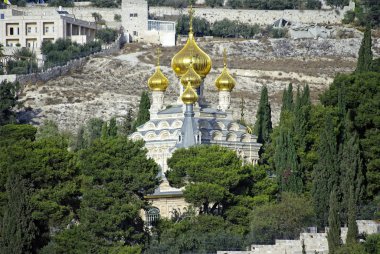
[
  {"x": 63, "y": 3},
  {"x": 349, "y": 17},
  {"x": 200, "y": 25},
  {"x": 106, "y": 35},
  {"x": 24, "y": 62},
  {"x": 229, "y": 28},
  {"x": 117, "y": 17},
  {"x": 64, "y": 50},
  {"x": 214, "y": 3},
  {"x": 106, "y": 3}
]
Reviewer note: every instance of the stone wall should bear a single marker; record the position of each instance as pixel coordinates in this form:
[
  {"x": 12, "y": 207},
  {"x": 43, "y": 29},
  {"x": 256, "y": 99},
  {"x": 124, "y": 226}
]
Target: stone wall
[
  {"x": 63, "y": 70},
  {"x": 262, "y": 17},
  {"x": 314, "y": 242}
]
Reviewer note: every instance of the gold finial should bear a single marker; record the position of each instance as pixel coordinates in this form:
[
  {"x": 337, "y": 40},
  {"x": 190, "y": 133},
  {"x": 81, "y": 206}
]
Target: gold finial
[
  {"x": 158, "y": 55},
  {"x": 191, "y": 13},
  {"x": 225, "y": 57}
]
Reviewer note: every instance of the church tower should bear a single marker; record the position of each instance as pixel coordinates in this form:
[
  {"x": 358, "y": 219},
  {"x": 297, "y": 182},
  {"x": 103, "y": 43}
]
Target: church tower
[{"x": 134, "y": 18}]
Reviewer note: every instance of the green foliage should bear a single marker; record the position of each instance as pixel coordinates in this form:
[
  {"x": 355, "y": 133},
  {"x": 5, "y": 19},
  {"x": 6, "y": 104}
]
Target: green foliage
[
  {"x": 326, "y": 172},
  {"x": 171, "y": 3},
  {"x": 220, "y": 185},
  {"x": 48, "y": 130},
  {"x": 93, "y": 130},
  {"x": 19, "y": 3},
  {"x": 8, "y": 100},
  {"x": 106, "y": 3},
  {"x": 200, "y": 234},
  {"x": 355, "y": 248},
  {"x": 117, "y": 175},
  {"x": 353, "y": 231},
  {"x": 117, "y": 17},
  {"x": 201, "y": 26},
  {"x": 372, "y": 244},
  {"x": 63, "y": 3},
  {"x": 263, "y": 125},
  {"x": 362, "y": 98},
  {"x": 63, "y": 50},
  {"x": 127, "y": 126},
  {"x": 337, "y": 3},
  {"x": 365, "y": 52},
  {"x": 282, "y": 220},
  {"x": 143, "y": 115},
  {"x": 234, "y": 28},
  {"x": 333, "y": 235},
  {"x": 106, "y": 35},
  {"x": 214, "y": 3},
  {"x": 18, "y": 229},
  {"x": 23, "y": 62}
]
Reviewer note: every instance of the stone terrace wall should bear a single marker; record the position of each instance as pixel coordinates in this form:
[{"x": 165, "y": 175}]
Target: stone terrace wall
[
  {"x": 262, "y": 17},
  {"x": 63, "y": 70}
]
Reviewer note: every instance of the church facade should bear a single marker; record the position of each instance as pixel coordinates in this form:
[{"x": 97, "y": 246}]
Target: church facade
[{"x": 192, "y": 121}]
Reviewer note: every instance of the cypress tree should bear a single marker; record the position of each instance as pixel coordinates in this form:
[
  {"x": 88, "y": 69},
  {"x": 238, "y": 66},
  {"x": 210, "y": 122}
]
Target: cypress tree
[
  {"x": 351, "y": 168},
  {"x": 104, "y": 130},
  {"x": 126, "y": 127},
  {"x": 302, "y": 109},
  {"x": 263, "y": 125},
  {"x": 18, "y": 228},
  {"x": 287, "y": 99},
  {"x": 143, "y": 115},
  {"x": 80, "y": 142},
  {"x": 333, "y": 235},
  {"x": 112, "y": 128},
  {"x": 365, "y": 52},
  {"x": 353, "y": 231},
  {"x": 326, "y": 172}
]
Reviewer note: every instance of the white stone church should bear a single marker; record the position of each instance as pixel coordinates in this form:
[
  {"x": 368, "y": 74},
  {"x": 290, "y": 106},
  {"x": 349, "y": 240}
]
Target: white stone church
[{"x": 191, "y": 121}]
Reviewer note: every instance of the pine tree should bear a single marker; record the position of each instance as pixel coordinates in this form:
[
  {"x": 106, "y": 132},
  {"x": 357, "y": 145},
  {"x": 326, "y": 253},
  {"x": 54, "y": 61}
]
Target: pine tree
[
  {"x": 112, "y": 128},
  {"x": 263, "y": 125},
  {"x": 143, "y": 116},
  {"x": 326, "y": 172},
  {"x": 365, "y": 52},
  {"x": 18, "y": 229},
  {"x": 333, "y": 235},
  {"x": 353, "y": 231}
]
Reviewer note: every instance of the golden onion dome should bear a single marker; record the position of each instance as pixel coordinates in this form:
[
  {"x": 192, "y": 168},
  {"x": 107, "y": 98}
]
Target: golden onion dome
[
  {"x": 191, "y": 76},
  {"x": 189, "y": 96},
  {"x": 191, "y": 52},
  {"x": 158, "y": 81},
  {"x": 225, "y": 82}
]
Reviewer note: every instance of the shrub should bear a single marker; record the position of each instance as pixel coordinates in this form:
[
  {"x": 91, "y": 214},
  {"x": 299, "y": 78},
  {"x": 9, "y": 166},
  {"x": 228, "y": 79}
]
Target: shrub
[
  {"x": 117, "y": 17},
  {"x": 24, "y": 61},
  {"x": 63, "y": 3},
  {"x": 106, "y": 35}
]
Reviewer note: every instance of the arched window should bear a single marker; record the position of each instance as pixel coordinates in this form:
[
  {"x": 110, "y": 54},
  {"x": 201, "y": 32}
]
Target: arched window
[{"x": 152, "y": 215}]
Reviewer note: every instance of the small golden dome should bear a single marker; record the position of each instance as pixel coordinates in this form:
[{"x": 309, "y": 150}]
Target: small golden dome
[
  {"x": 191, "y": 53},
  {"x": 158, "y": 81},
  {"x": 191, "y": 76},
  {"x": 225, "y": 82},
  {"x": 189, "y": 96}
]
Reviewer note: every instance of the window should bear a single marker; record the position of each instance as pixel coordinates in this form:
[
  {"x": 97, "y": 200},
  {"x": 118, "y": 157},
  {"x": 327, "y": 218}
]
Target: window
[
  {"x": 29, "y": 30},
  {"x": 2, "y": 16},
  {"x": 11, "y": 32},
  {"x": 133, "y": 15},
  {"x": 46, "y": 29},
  {"x": 135, "y": 33},
  {"x": 152, "y": 215}
]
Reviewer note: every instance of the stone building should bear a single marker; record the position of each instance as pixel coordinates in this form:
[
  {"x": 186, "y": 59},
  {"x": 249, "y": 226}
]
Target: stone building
[
  {"x": 138, "y": 27},
  {"x": 191, "y": 121},
  {"x": 18, "y": 28}
]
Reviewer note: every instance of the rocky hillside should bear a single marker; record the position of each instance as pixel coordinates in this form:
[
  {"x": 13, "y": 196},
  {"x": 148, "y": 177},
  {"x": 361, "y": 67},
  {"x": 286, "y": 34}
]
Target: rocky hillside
[{"x": 109, "y": 86}]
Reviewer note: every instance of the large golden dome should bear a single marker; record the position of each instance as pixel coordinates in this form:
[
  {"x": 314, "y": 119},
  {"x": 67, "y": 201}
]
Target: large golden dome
[
  {"x": 191, "y": 76},
  {"x": 191, "y": 53},
  {"x": 225, "y": 82},
  {"x": 158, "y": 81},
  {"x": 189, "y": 96}
]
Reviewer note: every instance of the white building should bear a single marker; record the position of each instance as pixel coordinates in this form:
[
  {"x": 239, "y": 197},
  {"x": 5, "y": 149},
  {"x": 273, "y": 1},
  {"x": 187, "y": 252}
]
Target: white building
[
  {"x": 17, "y": 28},
  {"x": 191, "y": 121},
  {"x": 138, "y": 27}
]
